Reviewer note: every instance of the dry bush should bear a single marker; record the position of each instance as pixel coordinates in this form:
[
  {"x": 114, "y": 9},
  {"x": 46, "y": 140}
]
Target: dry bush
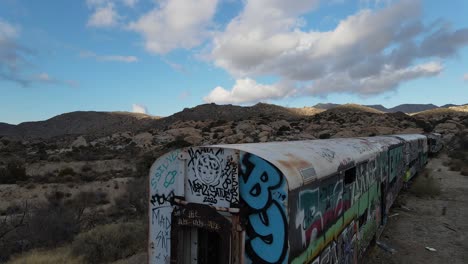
[
  {"x": 110, "y": 242},
  {"x": 13, "y": 172},
  {"x": 179, "y": 142},
  {"x": 135, "y": 200},
  {"x": 49, "y": 224},
  {"x": 464, "y": 171},
  {"x": 60, "y": 255},
  {"x": 52, "y": 224},
  {"x": 13, "y": 230},
  {"x": 66, "y": 171},
  {"x": 425, "y": 185}
]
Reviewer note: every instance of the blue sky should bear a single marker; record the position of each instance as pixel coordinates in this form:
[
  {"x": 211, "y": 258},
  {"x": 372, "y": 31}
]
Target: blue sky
[{"x": 162, "y": 56}]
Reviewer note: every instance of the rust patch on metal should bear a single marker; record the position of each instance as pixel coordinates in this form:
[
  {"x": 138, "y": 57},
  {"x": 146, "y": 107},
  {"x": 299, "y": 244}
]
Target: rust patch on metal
[{"x": 294, "y": 163}]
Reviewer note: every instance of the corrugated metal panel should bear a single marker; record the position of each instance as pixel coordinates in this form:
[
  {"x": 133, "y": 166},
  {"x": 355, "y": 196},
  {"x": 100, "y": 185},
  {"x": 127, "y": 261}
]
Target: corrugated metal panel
[
  {"x": 305, "y": 161},
  {"x": 413, "y": 137}
]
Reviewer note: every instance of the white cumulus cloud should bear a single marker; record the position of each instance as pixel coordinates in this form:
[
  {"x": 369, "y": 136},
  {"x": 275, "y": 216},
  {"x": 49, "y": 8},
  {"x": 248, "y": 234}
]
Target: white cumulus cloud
[
  {"x": 248, "y": 90},
  {"x": 138, "y": 108},
  {"x": 367, "y": 53},
  {"x": 375, "y": 84},
  {"x": 175, "y": 24},
  {"x": 104, "y": 16}
]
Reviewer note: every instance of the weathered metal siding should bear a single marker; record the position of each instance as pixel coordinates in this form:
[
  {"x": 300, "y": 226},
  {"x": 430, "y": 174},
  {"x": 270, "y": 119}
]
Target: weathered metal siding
[
  {"x": 164, "y": 174},
  {"x": 415, "y": 152},
  {"x": 434, "y": 142},
  {"x": 279, "y": 202},
  {"x": 306, "y": 161},
  {"x": 183, "y": 178},
  {"x": 333, "y": 221}
]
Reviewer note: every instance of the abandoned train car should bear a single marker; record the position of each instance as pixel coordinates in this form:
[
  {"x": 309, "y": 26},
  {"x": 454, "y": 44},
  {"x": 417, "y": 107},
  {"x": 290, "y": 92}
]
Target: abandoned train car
[{"x": 316, "y": 201}]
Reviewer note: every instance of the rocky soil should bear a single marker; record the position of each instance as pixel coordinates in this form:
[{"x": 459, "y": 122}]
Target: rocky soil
[{"x": 428, "y": 219}]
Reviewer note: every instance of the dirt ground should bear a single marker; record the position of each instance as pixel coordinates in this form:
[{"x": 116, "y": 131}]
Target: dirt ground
[{"x": 420, "y": 221}]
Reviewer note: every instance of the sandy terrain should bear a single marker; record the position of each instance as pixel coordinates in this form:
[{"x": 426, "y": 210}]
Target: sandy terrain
[{"x": 439, "y": 222}]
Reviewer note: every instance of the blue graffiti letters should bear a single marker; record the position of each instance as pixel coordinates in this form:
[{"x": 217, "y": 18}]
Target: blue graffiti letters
[
  {"x": 267, "y": 240},
  {"x": 261, "y": 179},
  {"x": 262, "y": 188}
]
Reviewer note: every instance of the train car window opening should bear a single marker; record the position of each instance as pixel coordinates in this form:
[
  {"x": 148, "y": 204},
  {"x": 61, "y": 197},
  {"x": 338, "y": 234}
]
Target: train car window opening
[
  {"x": 363, "y": 218},
  {"x": 350, "y": 176}
]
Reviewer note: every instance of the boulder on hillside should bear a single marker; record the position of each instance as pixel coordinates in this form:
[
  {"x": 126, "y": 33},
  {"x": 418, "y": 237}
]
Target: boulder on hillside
[
  {"x": 246, "y": 127},
  {"x": 194, "y": 139},
  {"x": 79, "y": 142},
  {"x": 445, "y": 128},
  {"x": 265, "y": 128},
  {"x": 184, "y": 132},
  {"x": 280, "y": 123},
  {"x": 143, "y": 139}
]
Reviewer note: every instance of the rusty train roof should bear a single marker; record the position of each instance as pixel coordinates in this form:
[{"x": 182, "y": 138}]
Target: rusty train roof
[{"x": 305, "y": 161}]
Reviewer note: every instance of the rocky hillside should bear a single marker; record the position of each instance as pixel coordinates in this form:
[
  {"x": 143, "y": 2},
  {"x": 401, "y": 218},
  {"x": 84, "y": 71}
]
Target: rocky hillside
[
  {"x": 105, "y": 123},
  {"x": 97, "y": 124},
  {"x": 81, "y": 122},
  {"x": 405, "y": 108}
]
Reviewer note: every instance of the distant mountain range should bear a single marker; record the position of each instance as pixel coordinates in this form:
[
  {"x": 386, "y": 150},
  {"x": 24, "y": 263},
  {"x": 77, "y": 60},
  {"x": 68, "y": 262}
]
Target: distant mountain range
[
  {"x": 405, "y": 108},
  {"x": 106, "y": 123}
]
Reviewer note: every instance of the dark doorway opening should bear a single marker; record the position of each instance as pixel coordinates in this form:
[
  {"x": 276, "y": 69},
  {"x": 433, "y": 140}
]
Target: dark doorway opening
[
  {"x": 209, "y": 247},
  {"x": 201, "y": 246}
]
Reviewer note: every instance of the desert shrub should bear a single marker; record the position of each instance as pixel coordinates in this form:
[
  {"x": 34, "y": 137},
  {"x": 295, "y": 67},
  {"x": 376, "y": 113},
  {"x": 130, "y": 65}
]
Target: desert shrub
[
  {"x": 425, "y": 185},
  {"x": 13, "y": 172},
  {"x": 144, "y": 163},
  {"x": 135, "y": 200},
  {"x": 464, "y": 171},
  {"x": 30, "y": 186},
  {"x": 461, "y": 155},
  {"x": 46, "y": 225},
  {"x": 67, "y": 178},
  {"x": 86, "y": 168},
  {"x": 219, "y": 122},
  {"x": 87, "y": 177},
  {"x": 52, "y": 224},
  {"x": 456, "y": 165},
  {"x": 60, "y": 219},
  {"x": 110, "y": 242},
  {"x": 13, "y": 209},
  {"x": 66, "y": 171},
  {"x": 60, "y": 255},
  {"x": 13, "y": 231},
  {"x": 46, "y": 178},
  {"x": 179, "y": 142},
  {"x": 426, "y": 126}
]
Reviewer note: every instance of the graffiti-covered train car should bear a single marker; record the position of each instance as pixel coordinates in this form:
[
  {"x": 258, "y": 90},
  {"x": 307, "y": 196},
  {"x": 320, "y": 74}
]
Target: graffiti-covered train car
[{"x": 316, "y": 201}]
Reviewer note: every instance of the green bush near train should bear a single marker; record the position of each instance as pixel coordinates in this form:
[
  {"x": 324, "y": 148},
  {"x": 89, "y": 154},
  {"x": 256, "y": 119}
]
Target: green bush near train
[{"x": 110, "y": 242}]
